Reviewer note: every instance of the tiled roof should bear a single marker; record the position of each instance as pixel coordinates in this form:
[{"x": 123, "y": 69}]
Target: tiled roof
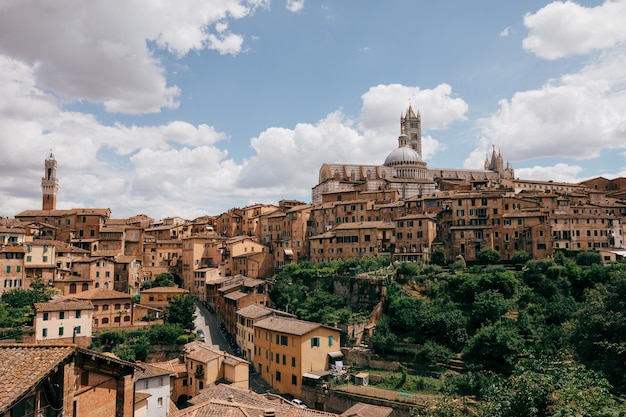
[
  {"x": 150, "y": 371},
  {"x": 23, "y": 366},
  {"x": 226, "y": 400},
  {"x": 102, "y": 294},
  {"x": 367, "y": 410},
  {"x": 287, "y": 325},
  {"x": 165, "y": 290},
  {"x": 63, "y": 304},
  {"x": 203, "y": 352},
  {"x": 254, "y": 311}
]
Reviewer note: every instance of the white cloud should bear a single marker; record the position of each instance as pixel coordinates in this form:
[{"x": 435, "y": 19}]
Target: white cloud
[
  {"x": 566, "y": 28},
  {"x": 559, "y": 173},
  {"x": 104, "y": 56},
  {"x": 295, "y": 5},
  {"x": 505, "y": 32},
  {"x": 576, "y": 116}
]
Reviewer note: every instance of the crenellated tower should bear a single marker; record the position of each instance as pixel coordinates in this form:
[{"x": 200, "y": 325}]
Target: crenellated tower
[{"x": 49, "y": 184}]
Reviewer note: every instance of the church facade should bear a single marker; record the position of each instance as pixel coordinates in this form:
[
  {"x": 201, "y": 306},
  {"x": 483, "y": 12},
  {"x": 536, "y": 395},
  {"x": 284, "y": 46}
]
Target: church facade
[{"x": 404, "y": 169}]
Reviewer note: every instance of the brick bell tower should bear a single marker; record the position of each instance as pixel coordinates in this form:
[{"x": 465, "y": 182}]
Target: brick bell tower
[{"x": 49, "y": 184}]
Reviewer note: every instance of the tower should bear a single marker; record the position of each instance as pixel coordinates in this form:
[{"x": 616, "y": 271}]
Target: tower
[
  {"x": 49, "y": 184},
  {"x": 411, "y": 126}
]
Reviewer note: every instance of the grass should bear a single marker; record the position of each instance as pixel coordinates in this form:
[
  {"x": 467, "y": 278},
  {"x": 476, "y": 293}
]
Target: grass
[{"x": 395, "y": 381}]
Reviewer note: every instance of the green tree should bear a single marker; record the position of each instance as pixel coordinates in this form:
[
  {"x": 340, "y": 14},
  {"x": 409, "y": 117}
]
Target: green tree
[
  {"x": 488, "y": 256},
  {"x": 520, "y": 257},
  {"x": 181, "y": 310},
  {"x": 164, "y": 279},
  {"x": 551, "y": 387},
  {"x": 598, "y": 333},
  {"x": 383, "y": 340},
  {"x": 588, "y": 258},
  {"x": 495, "y": 348},
  {"x": 488, "y": 308},
  {"x": 164, "y": 334},
  {"x": 320, "y": 306},
  {"x": 19, "y": 297},
  {"x": 438, "y": 256}
]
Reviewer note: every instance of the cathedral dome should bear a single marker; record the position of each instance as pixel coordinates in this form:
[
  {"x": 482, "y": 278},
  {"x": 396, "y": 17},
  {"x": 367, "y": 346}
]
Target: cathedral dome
[{"x": 403, "y": 155}]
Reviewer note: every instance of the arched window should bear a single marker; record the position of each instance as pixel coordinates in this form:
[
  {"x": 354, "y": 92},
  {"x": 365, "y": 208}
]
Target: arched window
[
  {"x": 85, "y": 286},
  {"x": 72, "y": 288},
  {"x": 105, "y": 320}
]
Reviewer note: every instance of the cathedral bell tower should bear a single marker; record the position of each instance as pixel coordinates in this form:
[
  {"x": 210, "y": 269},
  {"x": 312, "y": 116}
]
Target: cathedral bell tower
[
  {"x": 49, "y": 184},
  {"x": 411, "y": 126}
]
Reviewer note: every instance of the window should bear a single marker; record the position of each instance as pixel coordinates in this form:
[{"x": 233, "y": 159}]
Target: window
[
  {"x": 45, "y": 316},
  {"x": 284, "y": 360},
  {"x": 61, "y": 315},
  {"x": 45, "y": 333},
  {"x": 277, "y": 375},
  {"x": 293, "y": 361},
  {"x": 8, "y": 268},
  {"x": 160, "y": 402},
  {"x": 277, "y": 358},
  {"x": 294, "y": 380},
  {"x": 315, "y": 341},
  {"x": 77, "y": 329},
  {"x": 61, "y": 331},
  {"x": 77, "y": 314},
  {"x": 284, "y": 340}
]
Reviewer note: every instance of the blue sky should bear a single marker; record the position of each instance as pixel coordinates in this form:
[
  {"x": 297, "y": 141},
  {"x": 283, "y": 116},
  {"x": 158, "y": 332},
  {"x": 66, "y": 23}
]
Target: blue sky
[{"x": 187, "y": 108}]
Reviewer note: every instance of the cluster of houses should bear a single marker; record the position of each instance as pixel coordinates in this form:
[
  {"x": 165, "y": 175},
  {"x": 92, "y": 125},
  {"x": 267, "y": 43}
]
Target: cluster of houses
[{"x": 402, "y": 210}]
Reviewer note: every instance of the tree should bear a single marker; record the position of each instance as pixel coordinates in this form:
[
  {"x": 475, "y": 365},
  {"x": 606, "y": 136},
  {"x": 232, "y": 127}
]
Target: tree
[
  {"x": 551, "y": 387},
  {"x": 181, "y": 310},
  {"x": 438, "y": 256},
  {"x": 495, "y": 348},
  {"x": 488, "y": 256},
  {"x": 164, "y": 279},
  {"x": 599, "y": 331},
  {"x": 19, "y": 297},
  {"x": 588, "y": 258},
  {"x": 520, "y": 257},
  {"x": 488, "y": 307},
  {"x": 383, "y": 340}
]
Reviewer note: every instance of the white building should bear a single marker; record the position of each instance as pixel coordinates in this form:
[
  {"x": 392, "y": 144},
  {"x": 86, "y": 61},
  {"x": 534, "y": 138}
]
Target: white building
[
  {"x": 64, "y": 320},
  {"x": 154, "y": 381}
]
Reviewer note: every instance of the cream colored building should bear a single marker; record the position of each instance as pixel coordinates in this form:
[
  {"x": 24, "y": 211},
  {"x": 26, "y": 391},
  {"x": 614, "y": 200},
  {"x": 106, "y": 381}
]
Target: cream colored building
[
  {"x": 207, "y": 365},
  {"x": 64, "y": 320},
  {"x": 246, "y": 317},
  {"x": 288, "y": 350}
]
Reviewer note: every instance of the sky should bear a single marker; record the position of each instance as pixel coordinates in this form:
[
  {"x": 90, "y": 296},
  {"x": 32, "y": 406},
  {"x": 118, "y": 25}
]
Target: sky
[{"x": 191, "y": 107}]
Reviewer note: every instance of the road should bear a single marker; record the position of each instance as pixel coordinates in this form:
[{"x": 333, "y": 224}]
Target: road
[{"x": 209, "y": 324}]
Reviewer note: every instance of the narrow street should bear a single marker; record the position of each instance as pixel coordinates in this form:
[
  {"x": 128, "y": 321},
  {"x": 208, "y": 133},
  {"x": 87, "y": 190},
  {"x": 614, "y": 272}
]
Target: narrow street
[{"x": 209, "y": 324}]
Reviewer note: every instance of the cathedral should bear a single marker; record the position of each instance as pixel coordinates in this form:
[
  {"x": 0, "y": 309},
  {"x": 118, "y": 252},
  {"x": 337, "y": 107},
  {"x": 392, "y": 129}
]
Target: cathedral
[{"x": 404, "y": 170}]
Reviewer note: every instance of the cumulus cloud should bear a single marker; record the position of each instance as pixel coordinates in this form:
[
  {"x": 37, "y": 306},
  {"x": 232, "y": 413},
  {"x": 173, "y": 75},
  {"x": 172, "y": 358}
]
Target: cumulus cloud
[
  {"x": 566, "y": 28},
  {"x": 107, "y": 55},
  {"x": 560, "y": 172},
  {"x": 295, "y": 5}
]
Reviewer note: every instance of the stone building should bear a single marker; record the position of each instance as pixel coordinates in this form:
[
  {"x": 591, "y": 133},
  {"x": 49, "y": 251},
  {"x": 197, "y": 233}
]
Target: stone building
[{"x": 404, "y": 170}]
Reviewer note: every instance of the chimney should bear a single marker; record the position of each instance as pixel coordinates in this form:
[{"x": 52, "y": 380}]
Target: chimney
[
  {"x": 231, "y": 398},
  {"x": 269, "y": 412}
]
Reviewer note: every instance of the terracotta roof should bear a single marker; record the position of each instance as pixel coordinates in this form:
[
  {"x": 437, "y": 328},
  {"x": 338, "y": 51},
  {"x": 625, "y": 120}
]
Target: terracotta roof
[
  {"x": 23, "y": 366},
  {"x": 367, "y": 410},
  {"x": 165, "y": 289},
  {"x": 254, "y": 311},
  {"x": 101, "y": 294},
  {"x": 287, "y": 325},
  {"x": 140, "y": 396},
  {"x": 203, "y": 352},
  {"x": 226, "y": 400},
  {"x": 235, "y": 295},
  {"x": 150, "y": 371},
  {"x": 366, "y": 225},
  {"x": 64, "y": 304}
]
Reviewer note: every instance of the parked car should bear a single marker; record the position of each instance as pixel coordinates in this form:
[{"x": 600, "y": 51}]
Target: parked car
[
  {"x": 200, "y": 335},
  {"x": 298, "y": 403}
]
